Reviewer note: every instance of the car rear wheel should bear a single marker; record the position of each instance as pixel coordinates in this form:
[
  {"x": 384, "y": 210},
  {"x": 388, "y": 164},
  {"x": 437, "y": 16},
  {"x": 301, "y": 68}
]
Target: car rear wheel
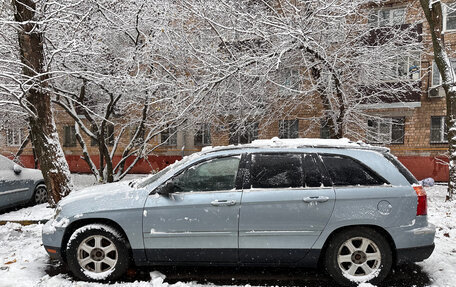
[
  {"x": 97, "y": 252},
  {"x": 40, "y": 194},
  {"x": 358, "y": 255}
]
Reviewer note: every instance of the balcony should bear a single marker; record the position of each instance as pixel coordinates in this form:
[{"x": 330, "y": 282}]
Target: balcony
[{"x": 410, "y": 33}]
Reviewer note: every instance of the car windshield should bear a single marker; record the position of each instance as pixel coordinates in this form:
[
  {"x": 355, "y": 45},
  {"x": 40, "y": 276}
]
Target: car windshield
[
  {"x": 5, "y": 163},
  {"x": 148, "y": 180}
]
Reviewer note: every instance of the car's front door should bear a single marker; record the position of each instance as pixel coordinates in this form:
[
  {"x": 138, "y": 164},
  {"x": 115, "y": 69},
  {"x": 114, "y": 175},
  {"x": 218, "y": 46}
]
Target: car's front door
[
  {"x": 198, "y": 222},
  {"x": 284, "y": 208}
]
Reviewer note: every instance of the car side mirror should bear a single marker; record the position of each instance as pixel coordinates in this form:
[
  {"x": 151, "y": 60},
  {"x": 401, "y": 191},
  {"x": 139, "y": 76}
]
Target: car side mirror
[
  {"x": 166, "y": 189},
  {"x": 17, "y": 169}
]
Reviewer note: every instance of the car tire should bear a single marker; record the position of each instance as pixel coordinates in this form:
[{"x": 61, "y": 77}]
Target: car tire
[
  {"x": 358, "y": 255},
  {"x": 40, "y": 194},
  {"x": 97, "y": 252}
]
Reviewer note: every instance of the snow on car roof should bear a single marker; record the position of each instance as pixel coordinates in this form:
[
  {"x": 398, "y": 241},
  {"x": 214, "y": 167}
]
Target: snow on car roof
[{"x": 300, "y": 143}]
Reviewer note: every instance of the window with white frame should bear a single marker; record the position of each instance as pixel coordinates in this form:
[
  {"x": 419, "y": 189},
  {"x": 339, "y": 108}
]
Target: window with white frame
[
  {"x": 386, "y": 17},
  {"x": 244, "y": 134},
  {"x": 404, "y": 67},
  {"x": 289, "y": 80},
  {"x": 288, "y": 129},
  {"x": 436, "y": 78},
  {"x": 203, "y": 135},
  {"x": 169, "y": 136},
  {"x": 386, "y": 130},
  {"x": 15, "y": 137},
  {"x": 449, "y": 17},
  {"x": 439, "y": 129}
]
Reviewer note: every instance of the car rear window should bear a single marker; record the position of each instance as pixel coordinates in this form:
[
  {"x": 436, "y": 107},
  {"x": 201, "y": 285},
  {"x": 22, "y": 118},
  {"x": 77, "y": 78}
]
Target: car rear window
[
  {"x": 347, "y": 171},
  {"x": 402, "y": 169}
]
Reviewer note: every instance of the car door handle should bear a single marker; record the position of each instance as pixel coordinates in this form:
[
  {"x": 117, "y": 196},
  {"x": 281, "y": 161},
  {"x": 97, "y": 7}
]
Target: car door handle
[
  {"x": 316, "y": 199},
  {"x": 223, "y": 202}
]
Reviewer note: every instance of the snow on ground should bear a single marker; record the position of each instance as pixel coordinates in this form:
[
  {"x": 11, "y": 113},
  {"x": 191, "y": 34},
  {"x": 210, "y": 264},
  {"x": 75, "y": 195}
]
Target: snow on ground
[
  {"x": 441, "y": 266},
  {"x": 37, "y": 212},
  {"x": 23, "y": 260}
]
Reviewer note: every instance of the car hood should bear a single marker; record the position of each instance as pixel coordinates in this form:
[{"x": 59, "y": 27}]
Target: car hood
[
  {"x": 33, "y": 174},
  {"x": 112, "y": 196}
]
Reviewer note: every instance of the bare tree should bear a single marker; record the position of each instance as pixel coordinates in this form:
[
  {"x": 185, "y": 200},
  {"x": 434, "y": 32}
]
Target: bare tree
[
  {"x": 28, "y": 89},
  {"x": 273, "y": 59},
  {"x": 433, "y": 11}
]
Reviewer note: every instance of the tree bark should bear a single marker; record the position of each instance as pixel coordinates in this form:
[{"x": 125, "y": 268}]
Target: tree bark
[
  {"x": 434, "y": 17},
  {"x": 42, "y": 126}
]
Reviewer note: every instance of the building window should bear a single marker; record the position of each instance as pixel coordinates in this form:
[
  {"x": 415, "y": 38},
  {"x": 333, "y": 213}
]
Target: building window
[
  {"x": 404, "y": 67},
  {"x": 449, "y": 18},
  {"x": 288, "y": 129},
  {"x": 109, "y": 134},
  {"x": 169, "y": 136},
  {"x": 94, "y": 130},
  {"x": 14, "y": 137},
  {"x": 386, "y": 130},
  {"x": 203, "y": 135},
  {"x": 69, "y": 136},
  {"x": 386, "y": 17},
  {"x": 436, "y": 78},
  {"x": 289, "y": 80},
  {"x": 439, "y": 130},
  {"x": 245, "y": 134},
  {"x": 140, "y": 139},
  {"x": 324, "y": 130}
]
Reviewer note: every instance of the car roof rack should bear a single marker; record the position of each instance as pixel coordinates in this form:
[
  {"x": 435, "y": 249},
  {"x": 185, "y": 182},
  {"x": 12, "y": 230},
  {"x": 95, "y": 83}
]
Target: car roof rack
[{"x": 275, "y": 142}]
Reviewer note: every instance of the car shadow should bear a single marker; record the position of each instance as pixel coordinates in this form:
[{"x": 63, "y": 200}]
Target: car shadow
[{"x": 402, "y": 276}]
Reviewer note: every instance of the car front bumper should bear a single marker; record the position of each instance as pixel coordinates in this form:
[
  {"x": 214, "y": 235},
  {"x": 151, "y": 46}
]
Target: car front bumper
[{"x": 52, "y": 237}]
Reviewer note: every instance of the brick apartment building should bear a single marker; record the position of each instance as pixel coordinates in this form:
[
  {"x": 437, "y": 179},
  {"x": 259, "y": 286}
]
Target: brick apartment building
[{"x": 414, "y": 128}]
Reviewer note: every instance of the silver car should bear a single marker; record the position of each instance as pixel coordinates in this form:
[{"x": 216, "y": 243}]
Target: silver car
[
  {"x": 349, "y": 207},
  {"x": 20, "y": 185}
]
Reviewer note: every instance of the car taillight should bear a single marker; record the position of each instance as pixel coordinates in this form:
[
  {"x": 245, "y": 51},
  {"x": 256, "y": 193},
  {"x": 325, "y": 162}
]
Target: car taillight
[{"x": 421, "y": 208}]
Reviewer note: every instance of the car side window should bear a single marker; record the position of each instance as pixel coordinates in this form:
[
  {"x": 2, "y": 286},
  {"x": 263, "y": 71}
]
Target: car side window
[
  {"x": 276, "y": 171},
  {"x": 312, "y": 174},
  {"x": 347, "y": 171},
  {"x": 212, "y": 175}
]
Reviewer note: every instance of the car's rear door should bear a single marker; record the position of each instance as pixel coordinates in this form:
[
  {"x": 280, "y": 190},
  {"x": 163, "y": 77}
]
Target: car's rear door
[
  {"x": 199, "y": 221},
  {"x": 285, "y": 206}
]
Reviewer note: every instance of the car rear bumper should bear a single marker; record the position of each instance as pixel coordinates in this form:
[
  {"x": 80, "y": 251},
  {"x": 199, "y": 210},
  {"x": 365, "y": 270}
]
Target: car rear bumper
[{"x": 414, "y": 254}]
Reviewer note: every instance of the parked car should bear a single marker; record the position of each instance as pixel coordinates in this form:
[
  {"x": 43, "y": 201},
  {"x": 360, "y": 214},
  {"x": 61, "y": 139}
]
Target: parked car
[
  {"x": 349, "y": 207},
  {"x": 20, "y": 185}
]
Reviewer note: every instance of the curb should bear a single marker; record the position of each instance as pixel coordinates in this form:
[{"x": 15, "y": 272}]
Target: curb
[{"x": 24, "y": 222}]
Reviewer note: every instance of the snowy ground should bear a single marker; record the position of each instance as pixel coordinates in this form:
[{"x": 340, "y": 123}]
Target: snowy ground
[{"x": 24, "y": 262}]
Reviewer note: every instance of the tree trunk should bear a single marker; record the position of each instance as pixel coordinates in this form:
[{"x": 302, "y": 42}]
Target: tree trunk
[
  {"x": 42, "y": 127},
  {"x": 434, "y": 17}
]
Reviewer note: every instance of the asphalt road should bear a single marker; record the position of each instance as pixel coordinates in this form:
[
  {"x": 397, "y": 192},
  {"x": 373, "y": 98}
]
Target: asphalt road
[{"x": 403, "y": 276}]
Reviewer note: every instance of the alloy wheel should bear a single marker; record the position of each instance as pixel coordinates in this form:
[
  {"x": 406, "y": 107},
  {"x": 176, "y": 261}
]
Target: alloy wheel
[
  {"x": 359, "y": 257},
  {"x": 40, "y": 195},
  {"x": 97, "y": 254}
]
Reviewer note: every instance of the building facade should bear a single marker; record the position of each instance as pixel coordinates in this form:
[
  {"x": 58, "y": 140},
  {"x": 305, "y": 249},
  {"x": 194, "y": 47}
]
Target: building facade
[{"x": 413, "y": 128}]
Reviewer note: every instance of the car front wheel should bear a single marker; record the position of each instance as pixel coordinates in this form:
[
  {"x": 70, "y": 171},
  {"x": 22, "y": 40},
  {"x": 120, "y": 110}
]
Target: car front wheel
[
  {"x": 97, "y": 252},
  {"x": 358, "y": 255}
]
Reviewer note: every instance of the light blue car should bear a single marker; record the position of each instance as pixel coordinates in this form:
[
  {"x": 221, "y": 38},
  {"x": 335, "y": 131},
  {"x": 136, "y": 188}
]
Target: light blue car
[
  {"x": 20, "y": 185},
  {"x": 349, "y": 207}
]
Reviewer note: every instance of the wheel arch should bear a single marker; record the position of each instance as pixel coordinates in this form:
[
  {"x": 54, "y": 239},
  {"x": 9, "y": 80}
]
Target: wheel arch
[
  {"x": 82, "y": 222},
  {"x": 377, "y": 228}
]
